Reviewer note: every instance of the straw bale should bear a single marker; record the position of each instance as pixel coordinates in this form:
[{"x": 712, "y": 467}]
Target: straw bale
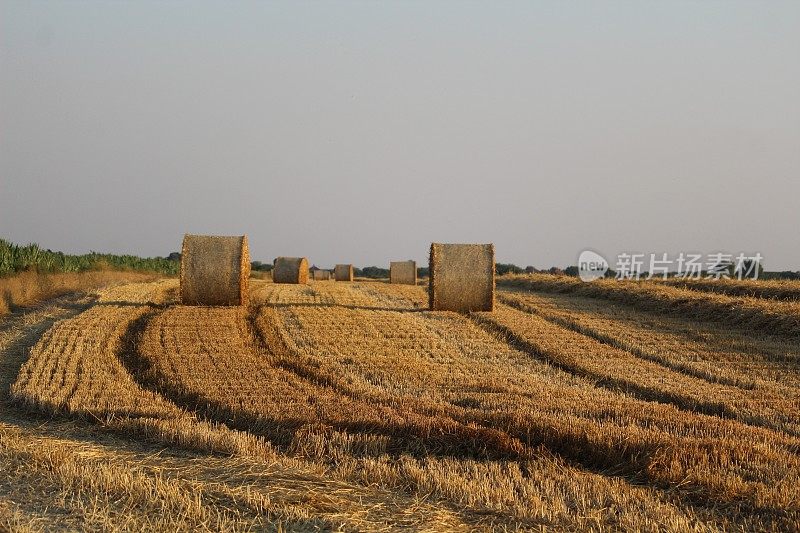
[
  {"x": 403, "y": 272},
  {"x": 290, "y": 270},
  {"x": 461, "y": 277},
  {"x": 215, "y": 270},
  {"x": 322, "y": 275},
  {"x": 343, "y": 272}
]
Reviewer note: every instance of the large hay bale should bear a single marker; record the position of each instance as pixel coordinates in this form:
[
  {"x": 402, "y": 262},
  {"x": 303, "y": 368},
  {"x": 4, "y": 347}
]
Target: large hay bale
[
  {"x": 214, "y": 270},
  {"x": 290, "y": 270},
  {"x": 403, "y": 272},
  {"x": 343, "y": 272},
  {"x": 461, "y": 277},
  {"x": 322, "y": 275}
]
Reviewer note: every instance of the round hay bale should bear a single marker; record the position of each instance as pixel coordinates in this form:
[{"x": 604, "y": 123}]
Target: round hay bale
[
  {"x": 214, "y": 270},
  {"x": 322, "y": 275},
  {"x": 343, "y": 273},
  {"x": 290, "y": 270},
  {"x": 461, "y": 277},
  {"x": 403, "y": 272}
]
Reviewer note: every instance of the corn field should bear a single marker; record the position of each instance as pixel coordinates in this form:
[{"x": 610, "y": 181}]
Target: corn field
[{"x": 15, "y": 258}]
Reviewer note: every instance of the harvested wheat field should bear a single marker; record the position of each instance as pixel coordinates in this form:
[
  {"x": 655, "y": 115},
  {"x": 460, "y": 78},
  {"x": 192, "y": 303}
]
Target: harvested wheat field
[{"x": 351, "y": 406}]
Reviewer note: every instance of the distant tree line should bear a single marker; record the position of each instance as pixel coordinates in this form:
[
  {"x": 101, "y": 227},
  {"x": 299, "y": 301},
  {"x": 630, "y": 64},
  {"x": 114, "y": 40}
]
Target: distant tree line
[
  {"x": 375, "y": 272},
  {"x": 783, "y": 274},
  {"x": 371, "y": 272},
  {"x": 258, "y": 266}
]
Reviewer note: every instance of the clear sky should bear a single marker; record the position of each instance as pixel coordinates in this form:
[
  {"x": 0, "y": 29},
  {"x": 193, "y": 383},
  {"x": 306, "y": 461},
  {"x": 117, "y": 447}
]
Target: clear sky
[{"x": 360, "y": 132}]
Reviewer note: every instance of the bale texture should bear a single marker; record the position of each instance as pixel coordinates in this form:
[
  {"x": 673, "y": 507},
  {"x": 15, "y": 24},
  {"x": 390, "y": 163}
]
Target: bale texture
[
  {"x": 290, "y": 270},
  {"x": 214, "y": 270},
  {"x": 403, "y": 272},
  {"x": 343, "y": 273},
  {"x": 322, "y": 275},
  {"x": 461, "y": 277}
]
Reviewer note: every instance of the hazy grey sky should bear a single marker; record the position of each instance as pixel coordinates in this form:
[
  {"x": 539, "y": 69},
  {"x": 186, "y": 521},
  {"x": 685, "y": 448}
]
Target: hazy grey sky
[{"x": 360, "y": 132}]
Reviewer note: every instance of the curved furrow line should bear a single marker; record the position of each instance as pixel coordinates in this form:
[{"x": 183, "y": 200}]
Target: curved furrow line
[
  {"x": 605, "y": 338},
  {"x": 20, "y": 331},
  {"x": 71, "y": 367},
  {"x": 710, "y": 348}
]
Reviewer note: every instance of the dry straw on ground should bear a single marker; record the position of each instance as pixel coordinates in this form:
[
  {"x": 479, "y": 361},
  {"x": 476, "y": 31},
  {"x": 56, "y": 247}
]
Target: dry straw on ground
[
  {"x": 757, "y": 314},
  {"x": 28, "y": 288},
  {"x": 322, "y": 275},
  {"x": 343, "y": 272},
  {"x": 547, "y": 416},
  {"x": 461, "y": 277},
  {"x": 403, "y": 272},
  {"x": 214, "y": 270},
  {"x": 290, "y": 270}
]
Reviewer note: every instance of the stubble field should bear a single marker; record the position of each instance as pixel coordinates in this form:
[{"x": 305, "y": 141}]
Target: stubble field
[{"x": 350, "y": 406}]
